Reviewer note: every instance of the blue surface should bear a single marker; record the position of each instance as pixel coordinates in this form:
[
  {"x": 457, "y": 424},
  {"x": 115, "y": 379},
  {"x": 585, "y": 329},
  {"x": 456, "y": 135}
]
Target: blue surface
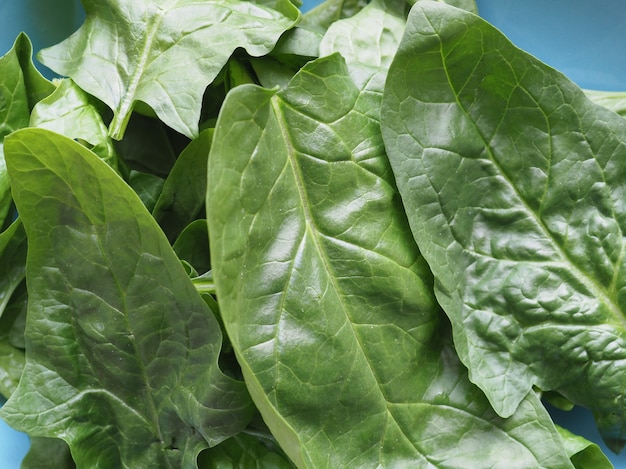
[
  {"x": 13, "y": 446},
  {"x": 46, "y": 22},
  {"x": 582, "y": 38}
]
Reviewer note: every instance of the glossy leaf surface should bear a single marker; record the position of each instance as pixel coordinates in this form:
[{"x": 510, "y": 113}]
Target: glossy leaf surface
[
  {"x": 163, "y": 53},
  {"x": 121, "y": 351},
  {"x": 21, "y": 86},
  {"x": 70, "y": 111},
  {"x": 514, "y": 185},
  {"x": 326, "y": 299}
]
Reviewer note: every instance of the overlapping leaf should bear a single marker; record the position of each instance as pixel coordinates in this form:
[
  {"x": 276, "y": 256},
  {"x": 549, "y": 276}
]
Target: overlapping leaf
[
  {"x": 71, "y": 112},
  {"x": 514, "y": 184},
  {"x": 121, "y": 350},
  {"x": 21, "y": 86},
  {"x": 163, "y": 53},
  {"x": 326, "y": 299}
]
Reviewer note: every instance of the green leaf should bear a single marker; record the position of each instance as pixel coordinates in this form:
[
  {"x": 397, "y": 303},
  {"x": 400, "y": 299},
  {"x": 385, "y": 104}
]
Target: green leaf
[
  {"x": 12, "y": 360},
  {"x": 48, "y": 453},
  {"x": 326, "y": 299},
  {"x": 163, "y": 53},
  {"x": 71, "y": 112},
  {"x": 583, "y": 453},
  {"x": 37, "y": 86},
  {"x": 148, "y": 146},
  {"x": 613, "y": 100},
  {"x": 147, "y": 186},
  {"x": 192, "y": 245},
  {"x": 182, "y": 197},
  {"x": 468, "y": 5},
  {"x": 121, "y": 352},
  {"x": 242, "y": 451},
  {"x": 514, "y": 184},
  {"x": 381, "y": 22},
  {"x": 21, "y": 86},
  {"x": 12, "y": 261},
  {"x": 320, "y": 18}
]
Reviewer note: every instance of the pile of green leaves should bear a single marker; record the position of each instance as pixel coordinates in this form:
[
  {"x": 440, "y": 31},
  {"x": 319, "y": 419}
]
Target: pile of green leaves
[{"x": 373, "y": 235}]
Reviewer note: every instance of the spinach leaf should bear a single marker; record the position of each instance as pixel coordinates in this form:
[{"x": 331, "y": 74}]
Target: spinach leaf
[
  {"x": 48, "y": 453},
  {"x": 583, "y": 453},
  {"x": 21, "y": 86},
  {"x": 183, "y": 194},
  {"x": 514, "y": 184},
  {"x": 613, "y": 100},
  {"x": 163, "y": 54},
  {"x": 326, "y": 298},
  {"x": 121, "y": 356},
  {"x": 71, "y": 112}
]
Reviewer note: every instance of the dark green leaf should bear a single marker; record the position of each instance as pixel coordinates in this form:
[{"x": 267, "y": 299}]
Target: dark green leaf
[
  {"x": 192, "y": 245},
  {"x": 48, "y": 453},
  {"x": 148, "y": 146},
  {"x": 163, "y": 54},
  {"x": 147, "y": 186},
  {"x": 514, "y": 184},
  {"x": 326, "y": 299},
  {"x": 121, "y": 356},
  {"x": 182, "y": 198},
  {"x": 244, "y": 452}
]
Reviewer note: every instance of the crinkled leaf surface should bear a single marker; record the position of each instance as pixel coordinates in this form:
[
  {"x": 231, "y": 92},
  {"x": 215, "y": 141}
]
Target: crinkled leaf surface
[
  {"x": 163, "y": 53},
  {"x": 326, "y": 299},
  {"x": 121, "y": 351},
  {"x": 514, "y": 184}
]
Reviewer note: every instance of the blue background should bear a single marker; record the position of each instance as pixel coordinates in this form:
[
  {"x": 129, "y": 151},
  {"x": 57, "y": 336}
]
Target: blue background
[{"x": 582, "y": 38}]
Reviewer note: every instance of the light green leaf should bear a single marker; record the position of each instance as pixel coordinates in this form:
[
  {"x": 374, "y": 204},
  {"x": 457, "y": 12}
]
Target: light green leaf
[
  {"x": 121, "y": 352},
  {"x": 583, "y": 453},
  {"x": 163, "y": 53},
  {"x": 369, "y": 39},
  {"x": 147, "y": 186},
  {"x": 613, "y": 100},
  {"x": 469, "y": 5},
  {"x": 514, "y": 184},
  {"x": 326, "y": 299},
  {"x": 320, "y": 18},
  {"x": 70, "y": 111}
]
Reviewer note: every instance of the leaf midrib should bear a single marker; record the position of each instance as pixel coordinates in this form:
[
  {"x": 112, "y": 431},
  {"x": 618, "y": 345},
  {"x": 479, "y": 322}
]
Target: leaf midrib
[
  {"x": 122, "y": 113},
  {"x": 313, "y": 234}
]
